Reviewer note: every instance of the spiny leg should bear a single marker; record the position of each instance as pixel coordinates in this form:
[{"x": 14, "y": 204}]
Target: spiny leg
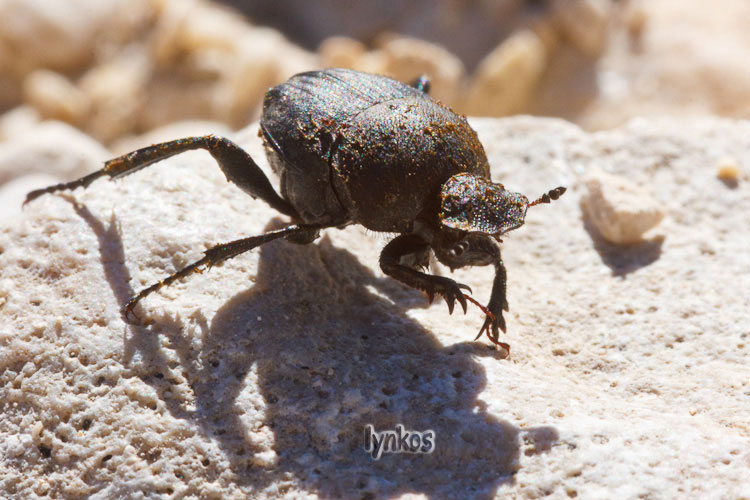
[
  {"x": 498, "y": 298},
  {"x": 408, "y": 244},
  {"x": 220, "y": 253},
  {"x": 478, "y": 249},
  {"x": 237, "y": 165}
]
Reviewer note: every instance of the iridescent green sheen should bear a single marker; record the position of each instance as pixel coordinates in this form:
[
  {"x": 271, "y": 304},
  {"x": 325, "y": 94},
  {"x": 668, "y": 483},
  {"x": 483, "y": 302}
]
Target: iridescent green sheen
[{"x": 472, "y": 203}]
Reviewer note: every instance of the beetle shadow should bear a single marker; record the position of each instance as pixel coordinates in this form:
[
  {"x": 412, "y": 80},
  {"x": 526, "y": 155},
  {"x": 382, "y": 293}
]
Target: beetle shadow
[
  {"x": 111, "y": 252},
  {"x": 143, "y": 340},
  {"x": 327, "y": 359},
  {"x": 624, "y": 259},
  {"x": 314, "y": 364}
]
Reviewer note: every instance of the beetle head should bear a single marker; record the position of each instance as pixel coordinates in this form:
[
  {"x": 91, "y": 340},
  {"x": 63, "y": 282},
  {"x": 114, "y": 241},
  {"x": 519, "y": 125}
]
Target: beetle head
[
  {"x": 475, "y": 204},
  {"x": 473, "y": 249}
]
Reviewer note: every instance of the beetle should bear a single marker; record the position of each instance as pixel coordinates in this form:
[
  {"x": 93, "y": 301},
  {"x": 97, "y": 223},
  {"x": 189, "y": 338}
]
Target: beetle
[{"x": 358, "y": 148}]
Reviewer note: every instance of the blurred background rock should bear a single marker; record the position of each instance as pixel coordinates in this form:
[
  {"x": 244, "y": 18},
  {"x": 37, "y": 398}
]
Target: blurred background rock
[{"x": 118, "y": 68}]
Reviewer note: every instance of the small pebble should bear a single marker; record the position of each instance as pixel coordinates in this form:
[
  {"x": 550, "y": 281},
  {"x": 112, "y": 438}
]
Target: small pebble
[
  {"x": 728, "y": 170},
  {"x": 621, "y": 211}
]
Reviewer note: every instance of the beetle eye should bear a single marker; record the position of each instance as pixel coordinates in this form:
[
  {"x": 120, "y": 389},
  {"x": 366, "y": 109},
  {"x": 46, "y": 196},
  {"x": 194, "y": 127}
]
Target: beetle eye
[{"x": 459, "y": 249}]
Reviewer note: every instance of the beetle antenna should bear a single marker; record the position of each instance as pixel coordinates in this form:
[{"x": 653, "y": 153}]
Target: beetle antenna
[{"x": 549, "y": 196}]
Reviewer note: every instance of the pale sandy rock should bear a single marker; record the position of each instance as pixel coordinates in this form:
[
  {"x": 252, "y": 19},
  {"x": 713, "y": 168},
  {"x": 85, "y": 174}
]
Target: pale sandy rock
[
  {"x": 116, "y": 93},
  {"x": 627, "y": 378},
  {"x": 169, "y": 97},
  {"x": 60, "y": 35},
  {"x": 728, "y": 170},
  {"x": 372, "y": 62},
  {"x": 52, "y": 148},
  {"x": 341, "y": 52},
  {"x": 224, "y": 65},
  {"x": 674, "y": 57},
  {"x": 469, "y": 29},
  {"x": 11, "y": 91},
  {"x": 507, "y": 77},
  {"x": 636, "y": 19},
  {"x": 545, "y": 27},
  {"x": 584, "y": 23},
  {"x": 18, "y": 121},
  {"x": 188, "y": 26},
  {"x": 261, "y": 59},
  {"x": 619, "y": 209},
  {"x": 191, "y": 60},
  {"x": 402, "y": 58},
  {"x": 408, "y": 58},
  {"x": 55, "y": 97},
  {"x": 13, "y": 193}
]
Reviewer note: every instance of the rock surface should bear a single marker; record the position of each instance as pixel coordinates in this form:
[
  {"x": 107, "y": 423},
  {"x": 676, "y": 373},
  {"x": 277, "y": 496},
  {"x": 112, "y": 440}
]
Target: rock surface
[{"x": 628, "y": 376}]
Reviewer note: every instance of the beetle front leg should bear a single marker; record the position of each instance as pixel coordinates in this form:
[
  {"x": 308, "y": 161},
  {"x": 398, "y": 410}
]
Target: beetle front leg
[
  {"x": 408, "y": 244},
  {"x": 237, "y": 165},
  {"x": 484, "y": 251},
  {"x": 498, "y": 303},
  {"x": 477, "y": 249}
]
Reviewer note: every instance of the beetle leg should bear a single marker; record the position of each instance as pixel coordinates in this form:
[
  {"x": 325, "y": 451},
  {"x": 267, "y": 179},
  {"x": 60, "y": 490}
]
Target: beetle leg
[
  {"x": 224, "y": 251},
  {"x": 477, "y": 249},
  {"x": 422, "y": 83},
  {"x": 498, "y": 302},
  {"x": 407, "y": 244},
  {"x": 238, "y": 166}
]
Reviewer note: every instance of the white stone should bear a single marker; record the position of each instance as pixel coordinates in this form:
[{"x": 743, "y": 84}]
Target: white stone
[
  {"x": 55, "y": 97},
  {"x": 341, "y": 52},
  {"x": 585, "y": 23},
  {"x": 620, "y": 210},
  {"x": 18, "y": 122},
  {"x": 506, "y": 78},
  {"x": 628, "y": 373},
  {"x": 405, "y": 59},
  {"x": 61, "y": 35},
  {"x": 52, "y": 148}
]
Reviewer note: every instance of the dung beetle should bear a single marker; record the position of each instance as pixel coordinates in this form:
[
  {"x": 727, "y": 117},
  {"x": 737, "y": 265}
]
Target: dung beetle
[{"x": 358, "y": 148}]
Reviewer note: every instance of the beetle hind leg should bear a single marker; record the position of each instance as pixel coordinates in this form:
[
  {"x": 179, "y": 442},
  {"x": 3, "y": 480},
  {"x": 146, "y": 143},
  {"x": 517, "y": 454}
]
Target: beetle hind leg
[
  {"x": 237, "y": 165},
  {"x": 225, "y": 251}
]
